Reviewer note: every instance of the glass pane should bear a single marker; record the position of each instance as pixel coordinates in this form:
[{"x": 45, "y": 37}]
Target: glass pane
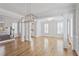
[
  {"x": 59, "y": 28},
  {"x": 46, "y": 28}
]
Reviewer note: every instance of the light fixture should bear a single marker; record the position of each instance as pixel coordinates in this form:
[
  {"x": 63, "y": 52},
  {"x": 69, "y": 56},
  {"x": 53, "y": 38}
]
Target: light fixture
[{"x": 28, "y": 18}]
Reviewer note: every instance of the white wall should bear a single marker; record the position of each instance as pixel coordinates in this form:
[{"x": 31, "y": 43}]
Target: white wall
[
  {"x": 52, "y": 30},
  {"x": 76, "y": 28}
]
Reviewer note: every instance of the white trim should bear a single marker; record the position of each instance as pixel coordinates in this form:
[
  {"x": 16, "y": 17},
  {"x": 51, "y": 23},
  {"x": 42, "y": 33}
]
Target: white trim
[
  {"x": 49, "y": 36},
  {"x": 9, "y": 40}
]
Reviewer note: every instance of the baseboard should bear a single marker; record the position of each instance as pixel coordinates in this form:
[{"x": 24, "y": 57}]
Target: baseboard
[
  {"x": 47, "y": 36},
  {"x": 5, "y": 41}
]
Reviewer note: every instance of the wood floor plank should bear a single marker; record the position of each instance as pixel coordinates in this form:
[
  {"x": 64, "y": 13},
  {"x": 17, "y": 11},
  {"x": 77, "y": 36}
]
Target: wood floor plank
[{"x": 40, "y": 46}]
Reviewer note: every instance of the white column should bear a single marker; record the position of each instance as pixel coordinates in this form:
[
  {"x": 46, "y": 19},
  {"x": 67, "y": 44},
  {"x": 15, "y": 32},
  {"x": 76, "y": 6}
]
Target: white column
[
  {"x": 23, "y": 32},
  {"x": 65, "y": 32},
  {"x": 30, "y": 39},
  {"x": 26, "y": 31},
  {"x": 75, "y": 29},
  {"x": 18, "y": 29}
]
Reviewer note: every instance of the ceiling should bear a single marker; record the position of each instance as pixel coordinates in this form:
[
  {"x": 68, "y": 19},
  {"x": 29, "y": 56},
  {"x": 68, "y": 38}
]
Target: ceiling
[{"x": 38, "y": 9}]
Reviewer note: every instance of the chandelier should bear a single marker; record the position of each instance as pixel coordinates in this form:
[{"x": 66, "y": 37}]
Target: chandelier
[{"x": 28, "y": 18}]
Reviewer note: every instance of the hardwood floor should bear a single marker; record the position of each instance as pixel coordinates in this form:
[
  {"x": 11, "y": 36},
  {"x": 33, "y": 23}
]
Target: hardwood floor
[{"x": 41, "y": 46}]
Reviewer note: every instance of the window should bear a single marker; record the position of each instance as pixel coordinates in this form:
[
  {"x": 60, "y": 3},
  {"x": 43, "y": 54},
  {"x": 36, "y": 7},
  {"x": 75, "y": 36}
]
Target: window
[
  {"x": 14, "y": 27},
  {"x": 1, "y": 27},
  {"x": 59, "y": 28},
  {"x": 46, "y": 28}
]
